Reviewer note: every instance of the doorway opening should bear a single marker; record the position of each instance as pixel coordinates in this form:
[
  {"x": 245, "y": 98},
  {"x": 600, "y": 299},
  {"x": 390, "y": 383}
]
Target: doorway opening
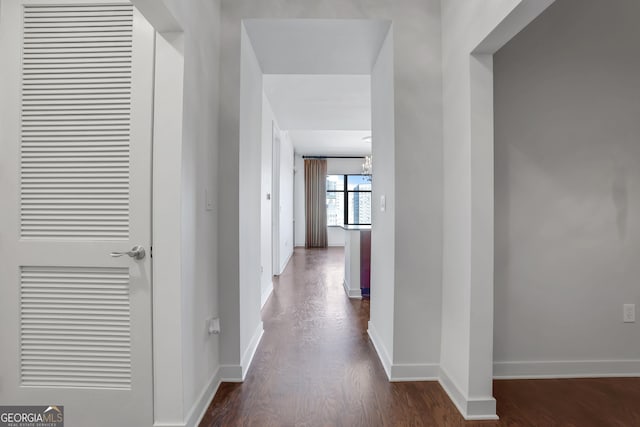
[{"x": 321, "y": 88}]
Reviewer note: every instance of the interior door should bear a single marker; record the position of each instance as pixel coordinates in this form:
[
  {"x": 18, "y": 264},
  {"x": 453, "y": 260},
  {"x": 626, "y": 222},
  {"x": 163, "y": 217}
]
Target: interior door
[
  {"x": 75, "y": 183},
  {"x": 275, "y": 199}
]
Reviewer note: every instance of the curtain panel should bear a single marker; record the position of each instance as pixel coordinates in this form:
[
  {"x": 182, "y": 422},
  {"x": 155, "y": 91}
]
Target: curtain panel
[{"x": 315, "y": 182}]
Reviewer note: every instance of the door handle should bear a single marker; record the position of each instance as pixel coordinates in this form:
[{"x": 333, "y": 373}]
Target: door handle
[{"x": 137, "y": 252}]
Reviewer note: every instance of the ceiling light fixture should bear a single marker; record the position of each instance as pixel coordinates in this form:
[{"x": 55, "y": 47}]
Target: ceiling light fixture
[{"x": 367, "y": 166}]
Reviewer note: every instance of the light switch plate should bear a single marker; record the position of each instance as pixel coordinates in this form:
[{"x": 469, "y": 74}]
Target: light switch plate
[{"x": 383, "y": 203}]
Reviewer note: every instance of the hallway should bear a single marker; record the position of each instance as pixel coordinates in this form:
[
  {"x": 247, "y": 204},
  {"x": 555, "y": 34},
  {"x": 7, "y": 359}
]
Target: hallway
[{"x": 316, "y": 366}]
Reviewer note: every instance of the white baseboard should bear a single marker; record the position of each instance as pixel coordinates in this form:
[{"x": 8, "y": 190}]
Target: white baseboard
[
  {"x": 566, "y": 369},
  {"x": 471, "y": 409},
  {"x": 284, "y": 264},
  {"x": 231, "y": 373},
  {"x": 332, "y": 245},
  {"x": 414, "y": 372},
  {"x": 266, "y": 293},
  {"x": 237, "y": 373},
  {"x": 247, "y": 357},
  {"x": 167, "y": 425},
  {"x": 351, "y": 293},
  {"x": 383, "y": 355},
  {"x": 200, "y": 407}
]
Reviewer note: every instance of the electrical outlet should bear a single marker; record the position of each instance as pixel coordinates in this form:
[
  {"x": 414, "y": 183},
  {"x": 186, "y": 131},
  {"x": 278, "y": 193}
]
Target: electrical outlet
[
  {"x": 629, "y": 313},
  {"x": 208, "y": 200}
]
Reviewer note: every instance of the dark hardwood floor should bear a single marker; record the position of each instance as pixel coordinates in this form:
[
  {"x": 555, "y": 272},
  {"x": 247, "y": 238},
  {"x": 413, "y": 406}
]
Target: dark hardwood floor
[{"x": 316, "y": 366}]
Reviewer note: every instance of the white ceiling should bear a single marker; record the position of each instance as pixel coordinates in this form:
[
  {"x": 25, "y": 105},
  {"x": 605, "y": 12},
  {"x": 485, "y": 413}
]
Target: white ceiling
[
  {"x": 320, "y": 102},
  {"x": 317, "y": 79},
  {"x": 316, "y": 46},
  {"x": 330, "y": 142},
  {"x": 325, "y": 114}
]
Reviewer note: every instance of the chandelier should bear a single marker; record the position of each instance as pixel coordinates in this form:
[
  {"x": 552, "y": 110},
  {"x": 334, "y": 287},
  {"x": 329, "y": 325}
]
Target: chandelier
[{"x": 367, "y": 166}]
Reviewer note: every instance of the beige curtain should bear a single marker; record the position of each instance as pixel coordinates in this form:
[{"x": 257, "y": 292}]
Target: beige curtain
[{"x": 315, "y": 183}]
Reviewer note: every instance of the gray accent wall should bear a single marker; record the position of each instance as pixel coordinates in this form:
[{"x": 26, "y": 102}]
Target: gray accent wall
[{"x": 567, "y": 192}]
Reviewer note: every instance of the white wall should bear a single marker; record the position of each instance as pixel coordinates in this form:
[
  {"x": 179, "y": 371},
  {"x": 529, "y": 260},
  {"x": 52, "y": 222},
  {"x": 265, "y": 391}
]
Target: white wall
[
  {"x": 167, "y": 229},
  {"x": 278, "y": 180},
  {"x": 285, "y": 199},
  {"x": 266, "y": 280},
  {"x": 335, "y": 235},
  {"x": 471, "y": 32},
  {"x": 383, "y": 253},
  {"x": 250, "y": 134},
  {"x": 567, "y": 190},
  {"x": 282, "y": 196},
  {"x": 198, "y": 228}
]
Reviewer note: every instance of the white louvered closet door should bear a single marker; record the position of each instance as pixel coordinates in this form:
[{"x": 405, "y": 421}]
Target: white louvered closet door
[{"x": 76, "y": 82}]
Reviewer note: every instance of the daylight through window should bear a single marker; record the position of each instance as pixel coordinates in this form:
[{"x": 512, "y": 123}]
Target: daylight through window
[{"x": 348, "y": 199}]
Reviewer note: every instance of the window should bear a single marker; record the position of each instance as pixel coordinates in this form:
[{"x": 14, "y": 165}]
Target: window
[{"x": 348, "y": 199}]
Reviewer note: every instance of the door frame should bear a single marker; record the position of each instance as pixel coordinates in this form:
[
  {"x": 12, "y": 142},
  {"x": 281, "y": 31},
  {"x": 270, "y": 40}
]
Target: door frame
[
  {"x": 168, "y": 406},
  {"x": 276, "y": 136}
]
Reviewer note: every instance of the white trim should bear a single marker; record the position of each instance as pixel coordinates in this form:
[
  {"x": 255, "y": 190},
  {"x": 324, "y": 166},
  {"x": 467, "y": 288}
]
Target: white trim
[
  {"x": 454, "y": 392},
  {"x": 247, "y": 358},
  {"x": 167, "y": 358},
  {"x": 200, "y": 407},
  {"x": 380, "y": 349},
  {"x": 471, "y": 409},
  {"x": 284, "y": 266},
  {"x": 481, "y": 409},
  {"x": 335, "y": 245},
  {"x": 414, "y": 372},
  {"x": 566, "y": 369},
  {"x": 158, "y": 15},
  {"x": 237, "y": 373},
  {"x": 351, "y": 293},
  {"x": 231, "y": 373},
  {"x": 266, "y": 293}
]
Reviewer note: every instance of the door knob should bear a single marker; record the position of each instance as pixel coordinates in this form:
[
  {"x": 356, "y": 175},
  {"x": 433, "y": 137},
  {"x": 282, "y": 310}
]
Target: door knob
[{"x": 137, "y": 252}]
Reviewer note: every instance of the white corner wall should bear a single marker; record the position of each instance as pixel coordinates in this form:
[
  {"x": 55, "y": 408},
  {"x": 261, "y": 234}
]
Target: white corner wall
[
  {"x": 381, "y": 313},
  {"x": 567, "y": 155},
  {"x": 190, "y": 375},
  {"x": 250, "y": 147},
  {"x": 471, "y": 33},
  {"x": 166, "y": 232},
  {"x": 266, "y": 200}
]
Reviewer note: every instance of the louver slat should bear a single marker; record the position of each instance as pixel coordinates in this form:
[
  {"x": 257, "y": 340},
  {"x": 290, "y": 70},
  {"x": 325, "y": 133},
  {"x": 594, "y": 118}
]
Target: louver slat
[
  {"x": 76, "y": 121},
  {"x": 75, "y": 327}
]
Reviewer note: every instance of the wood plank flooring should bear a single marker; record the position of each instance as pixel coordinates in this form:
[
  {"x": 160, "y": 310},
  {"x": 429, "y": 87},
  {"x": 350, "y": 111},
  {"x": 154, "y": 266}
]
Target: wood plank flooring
[{"x": 316, "y": 366}]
